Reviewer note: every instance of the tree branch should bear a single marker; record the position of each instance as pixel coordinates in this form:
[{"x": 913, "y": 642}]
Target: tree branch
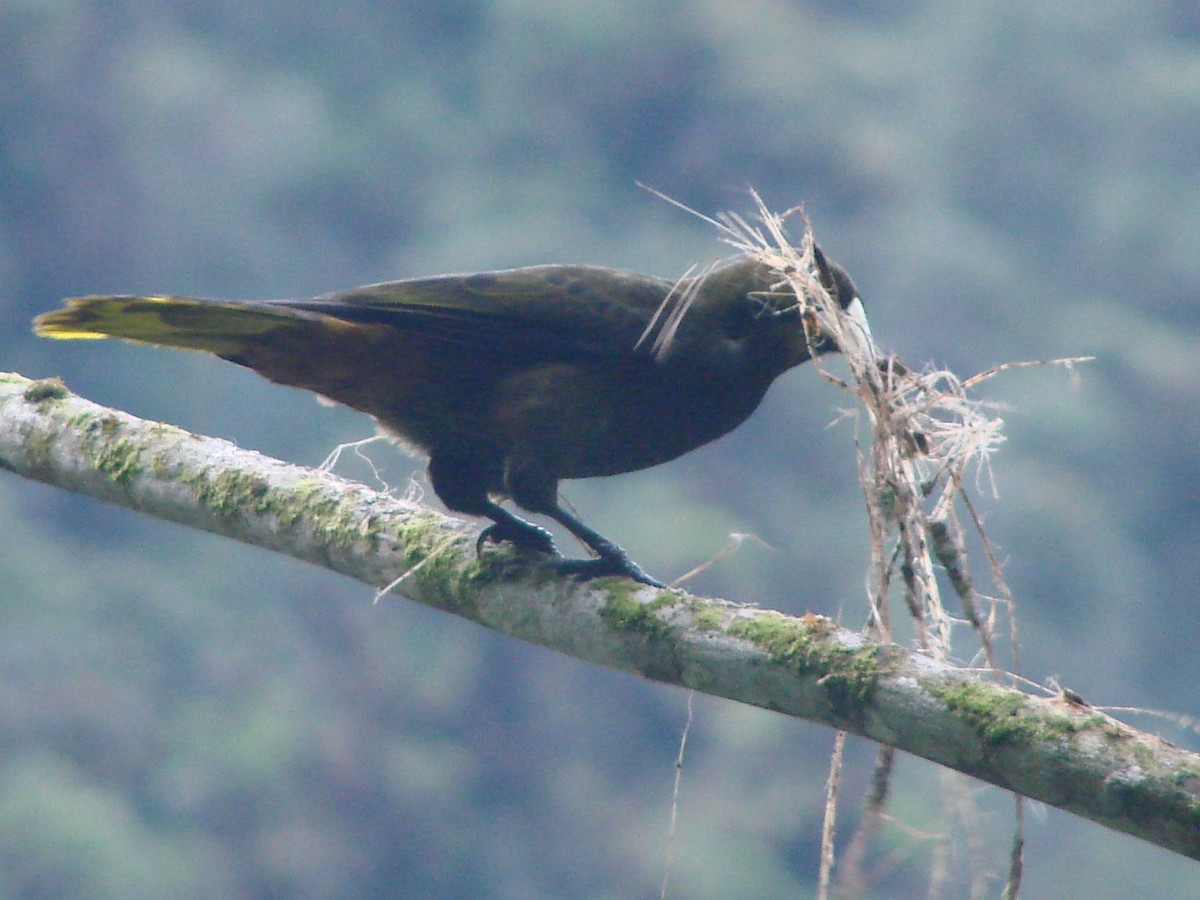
[{"x": 1056, "y": 750}]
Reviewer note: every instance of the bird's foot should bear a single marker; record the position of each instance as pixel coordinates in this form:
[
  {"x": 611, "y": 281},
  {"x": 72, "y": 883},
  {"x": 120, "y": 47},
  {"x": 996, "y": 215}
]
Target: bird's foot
[
  {"x": 617, "y": 563},
  {"x": 610, "y": 559},
  {"x": 519, "y": 532}
]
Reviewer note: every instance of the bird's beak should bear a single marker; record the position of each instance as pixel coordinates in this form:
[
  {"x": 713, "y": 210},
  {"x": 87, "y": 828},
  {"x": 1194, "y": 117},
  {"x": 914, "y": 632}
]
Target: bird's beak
[{"x": 857, "y": 331}]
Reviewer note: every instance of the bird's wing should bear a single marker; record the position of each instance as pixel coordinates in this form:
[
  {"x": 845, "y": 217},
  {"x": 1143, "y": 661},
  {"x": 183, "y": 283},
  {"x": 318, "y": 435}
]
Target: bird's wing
[{"x": 541, "y": 310}]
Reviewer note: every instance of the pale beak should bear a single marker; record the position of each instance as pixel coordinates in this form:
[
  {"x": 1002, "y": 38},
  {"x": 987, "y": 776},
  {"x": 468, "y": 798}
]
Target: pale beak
[{"x": 857, "y": 331}]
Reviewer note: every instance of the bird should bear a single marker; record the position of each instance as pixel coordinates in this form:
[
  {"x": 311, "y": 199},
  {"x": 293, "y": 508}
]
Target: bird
[{"x": 513, "y": 380}]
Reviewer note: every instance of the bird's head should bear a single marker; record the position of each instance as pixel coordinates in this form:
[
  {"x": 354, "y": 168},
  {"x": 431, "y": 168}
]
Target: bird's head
[{"x": 748, "y": 314}]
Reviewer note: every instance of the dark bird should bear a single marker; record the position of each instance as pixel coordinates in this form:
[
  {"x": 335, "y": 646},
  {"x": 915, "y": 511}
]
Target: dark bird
[{"x": 510, "y": 381}]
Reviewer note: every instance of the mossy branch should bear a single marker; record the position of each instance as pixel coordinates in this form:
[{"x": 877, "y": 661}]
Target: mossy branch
[{"x": 1056, "y": 750}]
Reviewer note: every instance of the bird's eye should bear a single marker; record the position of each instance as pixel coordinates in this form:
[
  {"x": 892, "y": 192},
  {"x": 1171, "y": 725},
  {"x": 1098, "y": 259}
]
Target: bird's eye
[
  {"x": 757, "y": 306},
  {"x": 740, "y": 316}
]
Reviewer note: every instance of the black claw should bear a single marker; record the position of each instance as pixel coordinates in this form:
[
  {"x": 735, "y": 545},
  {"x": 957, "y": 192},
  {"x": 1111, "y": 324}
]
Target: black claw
[
  {"x": 526, "y": 535},
  {"x": 610, "y": 558},
  {"x": 613, "y": 564}
]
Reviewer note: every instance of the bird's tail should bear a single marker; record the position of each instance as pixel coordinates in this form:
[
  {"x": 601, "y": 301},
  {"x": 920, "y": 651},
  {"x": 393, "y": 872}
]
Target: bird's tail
[{"x": 215, "y": 326}]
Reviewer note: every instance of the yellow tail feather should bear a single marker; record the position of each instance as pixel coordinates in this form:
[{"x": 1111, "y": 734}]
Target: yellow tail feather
[{"x": 214, "y": 326}]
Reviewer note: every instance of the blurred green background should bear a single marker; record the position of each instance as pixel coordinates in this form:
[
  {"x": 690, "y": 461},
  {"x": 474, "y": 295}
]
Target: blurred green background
[{"x": 183, "y": 716}]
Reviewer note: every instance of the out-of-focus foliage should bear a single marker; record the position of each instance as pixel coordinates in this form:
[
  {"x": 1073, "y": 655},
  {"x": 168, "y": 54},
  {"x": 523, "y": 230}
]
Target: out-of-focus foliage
[{"x": 181, "y": 716}]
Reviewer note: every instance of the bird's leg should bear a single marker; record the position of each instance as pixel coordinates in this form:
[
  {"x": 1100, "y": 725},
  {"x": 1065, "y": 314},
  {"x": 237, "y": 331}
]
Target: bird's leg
[
  {"x": 533, "y": 485},
  {"x": 508, "y": 527},
  {"x": 460, "y": 478},
  {"x": 611, "y": 559}
]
